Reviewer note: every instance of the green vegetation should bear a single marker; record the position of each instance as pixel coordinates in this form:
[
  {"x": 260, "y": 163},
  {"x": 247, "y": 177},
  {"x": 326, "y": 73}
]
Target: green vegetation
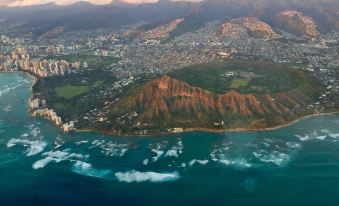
[
  {"x": 255, "y": 77},
  {"x": 74, "y": 95},
  {"x": 237, "y": 83},
  {"x": 69, "y": 91},
  {"x": 97, "y": 83},
  {"x": 63, "y": 93}
]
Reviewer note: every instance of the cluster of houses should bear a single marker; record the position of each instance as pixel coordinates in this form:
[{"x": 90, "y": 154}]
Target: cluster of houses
[
  {"x": 38, "y": 107},
  {"x": 20, "y": 60}
]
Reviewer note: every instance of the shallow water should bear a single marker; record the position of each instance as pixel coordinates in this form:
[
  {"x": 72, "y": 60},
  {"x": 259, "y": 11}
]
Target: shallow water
[{"x": 39, "y": 165}]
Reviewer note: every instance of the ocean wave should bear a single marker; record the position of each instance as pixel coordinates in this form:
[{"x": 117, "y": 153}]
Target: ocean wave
[
  {"x": 145, "y": 162},
  {"x": 87, "y": 169},
  {"x": 96, "y": 143},
  {"x": 25, "y": 135},
  {"x": 7, "y": 108},
  {"x": 58, "y": 142},
  {"x": 317, "y": 135},
  {"x": 330, "y": 133},
  {"x": 323, "y": 137},
  {"x": 158, "y": 153},
  {"x": 238, "y": 163},
  {"x": 278, "y": 158},
  {"x": 42, "y": 163},
  {"x": 175, "y": 151},
  {"x": 35, "y": 131},
  {"x": 81, "y": 142},
  {"x": 34, "y": 147},
  {"x": 114, "y": 149},
  {"x": 155, "y": 177},
  {"x": 335, "y": 136},
  {"x": 228, "y": 155},
  {"x": 10, "y": 87},
  {"x": 195, "y": 161},
  {"x": 58, "y": 156},
  {"x": 293, "y": 145},
  {"x": 256, "y": 154},
  {"x": 158, "y": 149}
]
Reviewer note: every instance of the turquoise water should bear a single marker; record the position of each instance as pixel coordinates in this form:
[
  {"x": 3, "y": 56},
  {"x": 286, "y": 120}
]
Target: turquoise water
[{"x": 39, "y": 165}]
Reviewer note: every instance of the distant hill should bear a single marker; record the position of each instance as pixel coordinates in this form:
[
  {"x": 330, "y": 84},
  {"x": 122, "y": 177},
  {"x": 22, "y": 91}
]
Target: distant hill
[
  {"x": 297, "y": 23},
  {"x": 251, "y": 26}
]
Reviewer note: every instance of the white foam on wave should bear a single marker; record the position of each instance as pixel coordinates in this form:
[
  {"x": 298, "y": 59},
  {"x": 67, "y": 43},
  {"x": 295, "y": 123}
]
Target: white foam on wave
[
  {"x": 33, "y": 147},
  {"x": 175, "y": 151},
  {"x": 114, "y": 149},
  {"x": 330, "y": 133},
  {"x": 195, "y": 161},
  {"x": 303, "y": 138},
  {"x": 172, "y": 153},
  {"x": 35, "y": 131},
  {"x": 293, "y": 145},
  {"x": 223, "y": 155},
  {"x": 81, "y": 142},
  {"x": 158, "y": 153},
  {"x": 58, "y": 156},
  {"x": 278, "y": 158},
  {"x": 323, "y": 137},
  {"x": 36, "y": 147},
  {"x": 318, "y": 135},
  {"x": 42, "y": 163},
  {"x": 238, "y": 163},
  {"x": 87, "y": 169},
  {"x": 25, "y": 135},
  {"x": 51, "y": 156},
  {"x": 145, "y": 162},
  {"x": 96, "y": 143},
  {"x": 158, "y": 149},
  {"x": 335, "y": 136},
  {"x": 8, "y": 108},
  {"x": 155, "y": 177},
  {"x": 58, "y": 142}
]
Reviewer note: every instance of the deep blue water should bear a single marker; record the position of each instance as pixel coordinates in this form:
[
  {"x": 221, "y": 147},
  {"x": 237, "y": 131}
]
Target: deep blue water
[{"x": 40, "y": 165}]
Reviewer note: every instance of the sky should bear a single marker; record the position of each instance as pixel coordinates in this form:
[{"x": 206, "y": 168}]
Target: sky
[{"x": 21, "y": 3}]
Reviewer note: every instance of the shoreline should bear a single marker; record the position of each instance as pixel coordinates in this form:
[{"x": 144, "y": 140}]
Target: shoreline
[
  {"x": 186, "y": 130},
  {"x": 263, "y": 129}
]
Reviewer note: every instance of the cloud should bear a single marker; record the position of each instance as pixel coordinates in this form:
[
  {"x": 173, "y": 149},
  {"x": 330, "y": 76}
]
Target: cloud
[{"x": 22, "y": 3}]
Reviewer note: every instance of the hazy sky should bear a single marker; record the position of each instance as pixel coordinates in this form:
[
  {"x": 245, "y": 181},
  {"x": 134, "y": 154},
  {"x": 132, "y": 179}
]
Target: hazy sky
[{"x": 13, "y": 3}]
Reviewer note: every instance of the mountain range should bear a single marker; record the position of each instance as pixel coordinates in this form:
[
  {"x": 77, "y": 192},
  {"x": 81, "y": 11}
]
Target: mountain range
[{"x": 289, "y": 15}]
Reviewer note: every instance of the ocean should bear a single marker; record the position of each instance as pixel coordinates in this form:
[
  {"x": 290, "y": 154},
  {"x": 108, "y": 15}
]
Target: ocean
[{"x": 41, "y": 165}]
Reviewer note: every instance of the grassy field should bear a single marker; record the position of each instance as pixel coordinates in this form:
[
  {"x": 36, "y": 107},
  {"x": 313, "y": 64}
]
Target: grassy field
[
  {"x": 260, "y": 76},
  {"x": 237, "y": 83},
  {"x": 97, "y": 83},
  {"x": 69, "y": 91}
]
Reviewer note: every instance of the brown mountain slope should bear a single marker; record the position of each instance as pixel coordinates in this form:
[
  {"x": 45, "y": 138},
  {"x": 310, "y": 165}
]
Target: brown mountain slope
[
  {"x": 252, "y": 26},
  {"x": 297, "y": 23},
  {"x": 162, "y": 31},
  {"x": 168, "y": 103}
]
